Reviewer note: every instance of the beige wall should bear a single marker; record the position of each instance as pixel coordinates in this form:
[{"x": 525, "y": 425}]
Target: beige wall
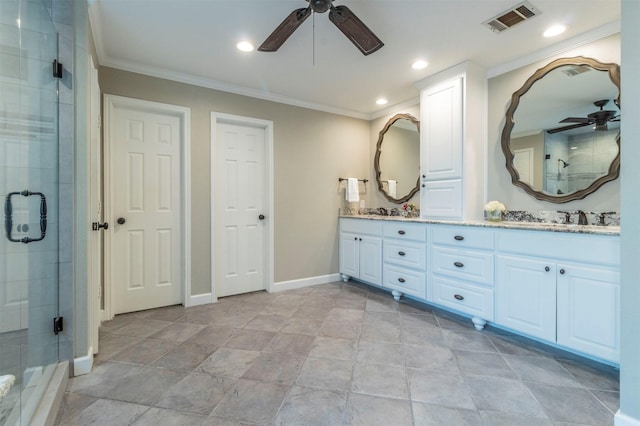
[
  {"x": 311, "y": 150},
  {"x": 376, "y": 198},
  {"x": 499, "y": 186}
]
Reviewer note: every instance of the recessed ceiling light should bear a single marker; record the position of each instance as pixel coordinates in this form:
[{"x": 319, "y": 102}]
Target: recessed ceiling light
[
  {"x": 418, "y": 65},
  {"x": 245, "y": 46},
  {"x": 554, "y": 30},
  {"x": 381, "y": 101}
]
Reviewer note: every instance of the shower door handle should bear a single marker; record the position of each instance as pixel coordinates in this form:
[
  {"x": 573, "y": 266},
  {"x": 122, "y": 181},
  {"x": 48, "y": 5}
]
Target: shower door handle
[{"x": 8, "y": 217}]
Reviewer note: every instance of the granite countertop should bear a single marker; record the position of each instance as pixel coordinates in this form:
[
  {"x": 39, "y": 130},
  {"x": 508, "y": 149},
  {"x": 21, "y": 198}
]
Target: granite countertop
[{"x": 534, "y": 226}]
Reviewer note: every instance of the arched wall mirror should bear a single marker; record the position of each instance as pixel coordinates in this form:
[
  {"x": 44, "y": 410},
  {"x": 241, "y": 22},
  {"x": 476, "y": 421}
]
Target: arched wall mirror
[
  {"x": 398, "y": 158},
  {"x": 561, "y": 138}
]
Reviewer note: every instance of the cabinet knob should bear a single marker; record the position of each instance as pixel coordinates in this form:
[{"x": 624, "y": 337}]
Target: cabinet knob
[
  {"x": 401, "y": 280},
  {"x": 458, "y": 264},
  {"x": 401, "y": 253},
  {"x": 547, "y": 269},
  {"x": 401, "y": 232},
  {"x": 562, "y": 271},
  {"x": 359, "y": 239},
  {"x": 458, "y": 297},
  {"x": 458, "y": 238},
  {"x": 423, "y": 185},
  {"x": 355, "y": 238}
]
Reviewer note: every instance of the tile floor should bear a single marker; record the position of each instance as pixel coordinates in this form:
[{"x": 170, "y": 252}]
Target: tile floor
[{"x": 333, "y": 354}]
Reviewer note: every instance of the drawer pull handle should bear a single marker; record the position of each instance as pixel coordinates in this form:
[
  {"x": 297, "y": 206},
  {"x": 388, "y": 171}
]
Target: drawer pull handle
[
  {"x": 401, "y": 253},
  {"x": 458, "y": 238},
  {"x": 401, "y": 280},
  {"x": 458, "y": 297},
  {"x": 547, "y": 269},
  {"x": 562, "y": 271},
  {"x": 458, "y": 264},
  {"x": 401, "y": 232}
]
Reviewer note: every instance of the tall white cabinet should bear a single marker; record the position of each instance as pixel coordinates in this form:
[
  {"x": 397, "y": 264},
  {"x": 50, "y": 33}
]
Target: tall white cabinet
[{"x": 453, "y": 107}]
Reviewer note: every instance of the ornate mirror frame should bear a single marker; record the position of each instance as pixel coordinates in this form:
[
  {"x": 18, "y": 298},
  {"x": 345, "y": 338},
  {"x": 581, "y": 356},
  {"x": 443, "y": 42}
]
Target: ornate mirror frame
[
  {"x": 614, "y": 169},
  {"x": 376, "y": 161}
]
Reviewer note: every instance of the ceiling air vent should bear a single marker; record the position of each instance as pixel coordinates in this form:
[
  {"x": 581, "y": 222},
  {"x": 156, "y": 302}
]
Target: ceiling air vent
[
  {"x": 507, "y": 19},
  {"x": 575, "y": 70}
]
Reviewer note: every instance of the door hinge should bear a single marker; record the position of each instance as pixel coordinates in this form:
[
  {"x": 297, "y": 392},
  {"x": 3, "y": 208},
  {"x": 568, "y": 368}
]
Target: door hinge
[
  {"x": 57, "y": 69},
  {"x": 57, "y": 325}
]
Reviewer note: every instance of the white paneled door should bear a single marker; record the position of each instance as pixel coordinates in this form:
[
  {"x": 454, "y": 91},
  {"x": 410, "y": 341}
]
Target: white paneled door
[
  {"x": 240, "y": 209},
  {"x": 145, "y": 192}
]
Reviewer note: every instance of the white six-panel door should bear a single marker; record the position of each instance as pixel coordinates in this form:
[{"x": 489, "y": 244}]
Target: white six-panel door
[
  {"x": 146, "y": 264},
  {"x": 239, "y": 194}
]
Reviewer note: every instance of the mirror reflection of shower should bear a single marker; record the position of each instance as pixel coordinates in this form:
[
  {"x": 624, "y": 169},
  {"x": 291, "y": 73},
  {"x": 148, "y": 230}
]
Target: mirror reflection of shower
[{"x": 561, "y": 165}]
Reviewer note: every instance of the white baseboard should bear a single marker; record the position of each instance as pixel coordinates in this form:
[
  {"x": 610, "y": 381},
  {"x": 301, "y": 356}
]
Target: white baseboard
[
  {"x": 200, "y": 299},
  {"x": 624, "y": 420},
  {"x": 83, "y": 364},
  {"x": 305, "y": 282}
]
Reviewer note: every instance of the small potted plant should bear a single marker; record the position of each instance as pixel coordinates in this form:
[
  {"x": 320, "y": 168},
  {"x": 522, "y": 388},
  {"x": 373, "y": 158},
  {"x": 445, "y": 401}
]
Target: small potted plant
[{"x": 493, "y": 211}]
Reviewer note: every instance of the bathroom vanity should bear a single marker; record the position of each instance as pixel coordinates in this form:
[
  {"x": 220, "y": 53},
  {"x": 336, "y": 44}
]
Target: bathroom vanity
[{"x": 555, "y": 283}]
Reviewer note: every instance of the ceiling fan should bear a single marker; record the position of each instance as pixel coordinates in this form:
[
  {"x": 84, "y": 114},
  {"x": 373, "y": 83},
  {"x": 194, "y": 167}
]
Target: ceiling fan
[
  {"x": 342, "y": 17},
  {"x": 598, "y": 119}
]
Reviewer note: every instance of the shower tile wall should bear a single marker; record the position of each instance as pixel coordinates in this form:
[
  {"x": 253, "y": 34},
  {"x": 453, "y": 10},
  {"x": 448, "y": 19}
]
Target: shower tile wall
[{"x": 589, "y": 155}]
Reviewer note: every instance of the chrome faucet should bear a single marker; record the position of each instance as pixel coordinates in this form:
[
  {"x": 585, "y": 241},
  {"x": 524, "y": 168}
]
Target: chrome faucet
[{"x": 582, "y": 218}]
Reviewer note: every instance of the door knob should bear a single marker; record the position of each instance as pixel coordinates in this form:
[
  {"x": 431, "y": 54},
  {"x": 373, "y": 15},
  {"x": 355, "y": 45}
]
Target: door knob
[
  {"x": 261, "y": 217},
  {"x": 121, "y": 221}
]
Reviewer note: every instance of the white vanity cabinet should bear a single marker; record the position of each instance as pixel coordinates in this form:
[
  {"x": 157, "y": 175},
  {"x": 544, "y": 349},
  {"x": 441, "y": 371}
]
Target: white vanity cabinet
[
  {"x": 561, "y": 287},
  {"x": 461, "y": 270},
  {"x": 361, "y": 250},
  {"x": 588, "y": 318},
  {"x": 404, "y": 258},
  {"x": 526, "y": 295},
  {"x": 453, "y": 143}
]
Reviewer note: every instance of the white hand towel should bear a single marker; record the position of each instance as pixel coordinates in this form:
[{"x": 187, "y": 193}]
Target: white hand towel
[
  {"x": 352, "y": 193},
  {"x": 5, "y": 384},
  {"x": 392, "y": 187}
]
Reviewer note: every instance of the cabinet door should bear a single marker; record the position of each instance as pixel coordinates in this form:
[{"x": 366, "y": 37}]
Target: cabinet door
[
  {"x": 526, "y": 296},
  {"x": 441, "y": 131},
  {"x": 349, "y": 255},
  {"x": 589, "y": 310},
  {"x": 441, "y": 199},
  {"x": 371, "y": 260}
]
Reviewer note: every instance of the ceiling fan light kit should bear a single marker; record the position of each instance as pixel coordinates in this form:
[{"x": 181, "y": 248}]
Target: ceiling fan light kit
[{"x": 341, "y": 16}]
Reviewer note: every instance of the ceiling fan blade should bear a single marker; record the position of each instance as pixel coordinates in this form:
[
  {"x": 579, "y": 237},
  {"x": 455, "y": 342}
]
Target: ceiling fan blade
[
  {"x": 285, "y": 29},
  {"x": 355, "y": 30},
  {"x": 576, "y": 120},
  {"x": 562, "y": 129}
]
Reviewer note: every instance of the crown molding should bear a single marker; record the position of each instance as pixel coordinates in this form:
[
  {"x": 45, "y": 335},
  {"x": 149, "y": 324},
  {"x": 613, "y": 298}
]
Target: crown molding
[{"x": 557, "y": 49}]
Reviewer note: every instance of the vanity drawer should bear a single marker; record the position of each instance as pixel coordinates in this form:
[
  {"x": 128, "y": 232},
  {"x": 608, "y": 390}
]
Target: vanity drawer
[
  {"x": 405, "y": 254},
  {"x": 405, "y": 231},
  {"x": 466, "y": 264},
  {"x": 470, "y": 299},
  {"x": 361, "y": 226},
  {"x": 463, "y": 236},
  {"x": 404, "y": 280}
]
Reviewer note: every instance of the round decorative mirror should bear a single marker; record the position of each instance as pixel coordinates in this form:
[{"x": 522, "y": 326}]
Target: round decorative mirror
[
  {"x": 561, "y": 138},
  {"x": 397, "y": 160}
]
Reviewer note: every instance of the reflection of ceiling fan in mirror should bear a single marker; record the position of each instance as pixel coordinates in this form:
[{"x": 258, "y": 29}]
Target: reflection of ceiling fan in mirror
[
  {"x": 343, "y": 18},
  {"x": 598, "y": 119}
]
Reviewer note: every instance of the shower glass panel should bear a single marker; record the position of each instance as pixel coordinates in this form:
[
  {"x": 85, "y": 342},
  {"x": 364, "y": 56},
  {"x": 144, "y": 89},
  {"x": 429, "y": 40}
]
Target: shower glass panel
[{"x": 29, "y": 197}]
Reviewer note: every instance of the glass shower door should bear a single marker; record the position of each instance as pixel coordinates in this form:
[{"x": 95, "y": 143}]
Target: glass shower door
[{"x": 29, "y": 196}]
